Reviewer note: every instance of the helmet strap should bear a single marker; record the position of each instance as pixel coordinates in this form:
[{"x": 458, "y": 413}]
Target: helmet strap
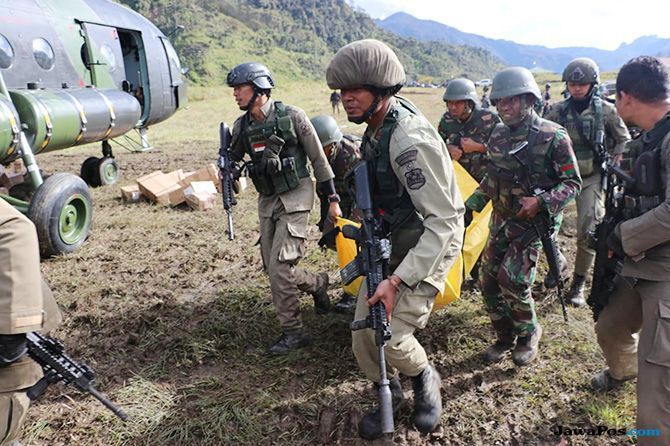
[{"x": 369, "y": 112}]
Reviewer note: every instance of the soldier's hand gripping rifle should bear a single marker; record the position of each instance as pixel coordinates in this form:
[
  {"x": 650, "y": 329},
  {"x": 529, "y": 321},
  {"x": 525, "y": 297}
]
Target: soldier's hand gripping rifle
[
  {"x": 541, "y": 225},
  {"x": 371, "y": 261},
  {"x": 49, "y": 353},
  {"x": 228, "y": 174}
]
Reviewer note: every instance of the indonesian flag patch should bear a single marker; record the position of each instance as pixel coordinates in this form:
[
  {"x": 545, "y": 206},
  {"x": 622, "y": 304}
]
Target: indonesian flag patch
[{"x": 258, "y": 147}]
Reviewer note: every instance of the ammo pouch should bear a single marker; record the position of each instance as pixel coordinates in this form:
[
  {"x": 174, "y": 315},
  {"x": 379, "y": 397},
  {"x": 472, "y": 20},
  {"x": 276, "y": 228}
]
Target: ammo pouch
[
  {"x": 263, "y": 184},
  {"x": 585, "y": 162},
  {"x": 647, "y": 173},
  {"x": 287, "y": 178}
]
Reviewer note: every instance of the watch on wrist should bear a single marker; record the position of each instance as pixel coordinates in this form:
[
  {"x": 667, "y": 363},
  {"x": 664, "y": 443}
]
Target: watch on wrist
[{"x": 334, "y": 198}]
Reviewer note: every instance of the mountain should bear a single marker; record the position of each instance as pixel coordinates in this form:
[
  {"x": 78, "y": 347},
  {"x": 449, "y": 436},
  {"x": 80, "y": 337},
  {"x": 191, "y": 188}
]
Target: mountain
[
  {"x": 553, "y": 59},
  {"x": 295, "y": 38}
]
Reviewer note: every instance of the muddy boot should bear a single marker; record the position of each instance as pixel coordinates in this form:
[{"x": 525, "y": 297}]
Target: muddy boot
[
  {"x": 575, "y": 295},
  {"x": 321, "y": 299},
  {"x": 604, "y": 382},
  {"x": 503, "y": 345},
  {"x": 527, "y": 347},
  {"x": 347, "y": 304},
  {"x": 370, "y": 426},
  {"x": 427, "y": 400},
  {"x": 288, "y": 342}
]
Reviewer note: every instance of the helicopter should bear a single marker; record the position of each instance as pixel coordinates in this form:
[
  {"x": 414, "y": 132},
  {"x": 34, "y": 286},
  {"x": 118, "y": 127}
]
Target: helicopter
[{"x": 75, "y": 72}]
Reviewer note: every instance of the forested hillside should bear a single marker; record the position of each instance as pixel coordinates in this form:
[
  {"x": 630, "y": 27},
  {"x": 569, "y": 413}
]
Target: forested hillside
[{"x": 295, "y": 38}]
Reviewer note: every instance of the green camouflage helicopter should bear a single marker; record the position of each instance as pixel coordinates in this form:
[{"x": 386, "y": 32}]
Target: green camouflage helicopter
[{"x": 76, "y": 72}]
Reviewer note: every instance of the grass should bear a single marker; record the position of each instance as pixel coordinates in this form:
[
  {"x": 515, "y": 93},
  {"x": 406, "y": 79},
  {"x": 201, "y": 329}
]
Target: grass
[{"x": 174, "y": 318}]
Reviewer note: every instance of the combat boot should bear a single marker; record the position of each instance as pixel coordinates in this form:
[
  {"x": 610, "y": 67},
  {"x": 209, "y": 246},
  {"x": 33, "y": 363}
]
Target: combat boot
[
  {"x": 576, "y": 293},
  {"x": 527, "y": 347},
  {"x": 427, "y": 400},
  {"x": 604, "y": 382},
  {"x": 498, "y": 351},
  {"x": 321, "y": 299},
  {"x": 370, "y": 426},
  {"x": 288, "y": 342},
  {"x": 347, "y": 304}
]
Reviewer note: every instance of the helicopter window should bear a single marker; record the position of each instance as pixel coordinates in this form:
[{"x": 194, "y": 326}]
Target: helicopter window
[
  {"x": 43, "y": 53},
  {"x": 108, "y": 54},
  {"x": 6, "y": 52},
  {"x": 175, "y": 67}
]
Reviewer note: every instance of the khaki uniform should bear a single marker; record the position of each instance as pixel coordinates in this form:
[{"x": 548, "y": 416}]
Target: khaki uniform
[
  {"x": 645, "y": 308},
  {"x": 284, "y": 217},
  {"x": 26, "y": 305},
  {"x": 420, "y": 255},
  {"x": 590, "y": 201}
]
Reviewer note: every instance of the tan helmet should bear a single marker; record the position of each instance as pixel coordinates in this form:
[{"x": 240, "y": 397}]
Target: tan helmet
[
  {"x": 367, "y": 62},
  {"x": 582, "y": 71}
]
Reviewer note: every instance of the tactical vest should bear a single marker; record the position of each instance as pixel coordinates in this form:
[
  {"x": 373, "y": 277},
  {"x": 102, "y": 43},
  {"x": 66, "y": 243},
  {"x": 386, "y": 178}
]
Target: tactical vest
[
  {"x": 293, "y": 157},
  {"x": 583, "y": 131},
  {"x": 503, "y": 170}
]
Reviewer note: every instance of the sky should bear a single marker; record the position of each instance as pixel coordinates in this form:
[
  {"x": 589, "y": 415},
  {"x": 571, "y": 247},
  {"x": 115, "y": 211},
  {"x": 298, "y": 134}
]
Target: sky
[{"x": 603, "y": 24}]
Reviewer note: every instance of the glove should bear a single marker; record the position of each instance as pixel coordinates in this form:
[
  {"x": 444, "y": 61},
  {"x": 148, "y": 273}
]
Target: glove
[
  {"x": 467, "y": 217},
  {"x": 614, "y": 242},
  {"x": 328, "y": 239},
  {"x": 271, "y": 163},
  {"x": 12, "y": 347}
]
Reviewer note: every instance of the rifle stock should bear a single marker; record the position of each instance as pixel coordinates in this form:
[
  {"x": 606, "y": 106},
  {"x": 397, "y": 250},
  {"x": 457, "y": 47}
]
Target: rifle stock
[{"x": 371, "y": 261}]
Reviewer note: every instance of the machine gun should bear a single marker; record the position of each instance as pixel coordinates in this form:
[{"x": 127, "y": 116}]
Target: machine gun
[
  {"x": 49, "y": 353},
  {"x": 604, "y": 158},
  {"x": 227, "y": 174},
  {"x": 374, "y": 251},
  {"x": 542, "y": 226},
  {"x": 608, "y": 265}
]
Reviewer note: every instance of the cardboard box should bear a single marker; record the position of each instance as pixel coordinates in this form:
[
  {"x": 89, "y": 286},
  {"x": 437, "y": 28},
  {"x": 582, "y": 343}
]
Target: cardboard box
[
  {"x": 17, "y": 166},
  {"x": 201, "y": 201},
  {"x": 131, "y": 194},
  {"x": 163, "y": 188},
  {"x": 207, "y": 173},
  {"x": 200, "y": 187}
]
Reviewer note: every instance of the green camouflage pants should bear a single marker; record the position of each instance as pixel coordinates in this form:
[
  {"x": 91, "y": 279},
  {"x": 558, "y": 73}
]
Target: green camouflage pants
[{"x": 506, "y": 276}]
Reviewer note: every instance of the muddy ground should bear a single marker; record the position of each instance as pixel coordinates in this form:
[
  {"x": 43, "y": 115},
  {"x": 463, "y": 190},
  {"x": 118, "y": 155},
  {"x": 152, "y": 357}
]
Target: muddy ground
[{"x": 175, "y": 318}]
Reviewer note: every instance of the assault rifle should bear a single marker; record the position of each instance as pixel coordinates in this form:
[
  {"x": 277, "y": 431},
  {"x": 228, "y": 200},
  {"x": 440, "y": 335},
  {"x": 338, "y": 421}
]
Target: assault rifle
[
  {"x": 374, "y": 251},
  {"x": 227, "y": 174},
  {"x": 49, "y": 353},
  {"x": 542, "y": 226},
  {"x": 608, "y": 265},
  {"x": 603, "y": 157}
]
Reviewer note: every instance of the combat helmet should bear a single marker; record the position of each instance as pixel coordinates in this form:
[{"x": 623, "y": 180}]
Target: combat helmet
[
  {"x": 365, "y": 63},
  {"x": 514, "y": 81},
  {"x": 251, "y": 73},
  {"x": 327, "y": 129},
  {"x": 582, "y": 71},
  {"x": 461, "y": 89}
]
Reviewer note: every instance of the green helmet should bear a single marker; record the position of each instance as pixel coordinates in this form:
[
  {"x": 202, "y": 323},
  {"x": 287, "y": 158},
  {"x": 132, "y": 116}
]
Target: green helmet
[
  {"x": 514, "y": 81},
  {"x": 251, "y": 73},
  {"x": 367, "y": 62},
  {"x": 327, "y": 129},
  {"x": 461, "y": 89},
  {"x": 582, "y": 71}
]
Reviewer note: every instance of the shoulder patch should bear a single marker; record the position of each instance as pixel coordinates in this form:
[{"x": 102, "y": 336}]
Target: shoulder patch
[
  {"x": 415, "y": 179},
  {"x": 305, "y": 128},
  {"x": 406, "y": 157}
]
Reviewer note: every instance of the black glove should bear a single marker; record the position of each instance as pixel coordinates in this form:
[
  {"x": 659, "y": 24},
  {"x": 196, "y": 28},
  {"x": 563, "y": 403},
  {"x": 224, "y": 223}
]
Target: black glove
[
  {"x": 467, "y": 217},
  {"x": 271, "y": 161},
  {"x": 12, "y": 347},
  {"x": 614, "y": 242},
  {"x": 328, "y": 239}
]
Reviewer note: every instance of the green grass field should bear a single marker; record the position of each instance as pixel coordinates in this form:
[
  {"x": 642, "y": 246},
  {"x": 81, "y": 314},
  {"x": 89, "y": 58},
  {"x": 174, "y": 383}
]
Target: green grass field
[{"x": 175, "y": 318}]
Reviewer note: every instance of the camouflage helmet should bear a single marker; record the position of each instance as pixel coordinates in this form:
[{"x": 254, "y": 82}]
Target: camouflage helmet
[
  {"x": 367, "y": 62},
  {"x": 461, "y": 89},
  {"x": 327, "y": 129},
  {"x": 514, "y": 81},
  {"x": 251, "y": 73},
  {"x": 582, "y": 71}
]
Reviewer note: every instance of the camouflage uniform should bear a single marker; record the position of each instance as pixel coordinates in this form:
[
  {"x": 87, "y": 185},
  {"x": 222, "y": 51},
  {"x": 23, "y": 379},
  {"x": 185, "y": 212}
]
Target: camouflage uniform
[
  {"x": 478, "y": 126},
  {"x": 26, "y": 305},
  {"x": 284, "y": 216},
  {"x": 510, "y": 257},
  {"x": 590, "y": 201}
]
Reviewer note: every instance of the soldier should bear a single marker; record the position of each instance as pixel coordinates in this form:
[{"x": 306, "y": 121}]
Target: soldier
[
  {"x": 585, "y": 116},
  {"x": 342, "y": 151},
  {"x": 643, "y": 99},
  {"x": 335, "y": 101},
  {"x": 510, "y": 256},
  {"x": 280, "y": 139},
  {"x": 546, "y": 98},
  {"x": 26, "y": 305},
  {"x": 486, "y": 100},
  {"x": 415, "y": 192}
]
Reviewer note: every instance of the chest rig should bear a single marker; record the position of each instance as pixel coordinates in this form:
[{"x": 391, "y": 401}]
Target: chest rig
[
  {"x": 254, "y": 137},
  {"x": 582, "y": 130}
]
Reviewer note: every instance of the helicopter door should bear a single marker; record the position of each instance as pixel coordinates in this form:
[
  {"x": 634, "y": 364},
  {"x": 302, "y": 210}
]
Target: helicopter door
[{"x": 102, "y": 56}]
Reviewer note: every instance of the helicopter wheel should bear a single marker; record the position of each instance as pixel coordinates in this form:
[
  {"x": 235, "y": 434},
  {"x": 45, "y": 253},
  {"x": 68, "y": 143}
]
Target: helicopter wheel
[
  {"x": 88, "y": 168},
  {"x": 61, "y": 210},
  {"x": 107, "y": 172}
]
